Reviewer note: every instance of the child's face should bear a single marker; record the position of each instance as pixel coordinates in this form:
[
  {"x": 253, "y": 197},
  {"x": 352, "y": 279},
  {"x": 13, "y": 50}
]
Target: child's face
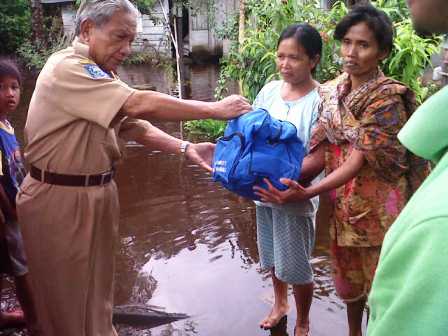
[{"x": 9, "y": 94}]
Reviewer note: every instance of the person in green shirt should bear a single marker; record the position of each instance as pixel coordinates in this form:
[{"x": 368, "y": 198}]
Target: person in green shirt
[{"x": 409, "y": 294}]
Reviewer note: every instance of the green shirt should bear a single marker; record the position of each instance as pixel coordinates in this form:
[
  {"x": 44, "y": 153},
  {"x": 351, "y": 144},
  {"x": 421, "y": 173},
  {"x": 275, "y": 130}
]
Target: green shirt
[{"x": 409, "y": 294}]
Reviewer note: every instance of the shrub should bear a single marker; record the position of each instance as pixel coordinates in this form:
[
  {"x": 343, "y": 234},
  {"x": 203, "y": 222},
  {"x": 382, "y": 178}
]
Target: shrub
[
  {"x": 253, "y": 62},
  {"x": 15, "y": 24}
]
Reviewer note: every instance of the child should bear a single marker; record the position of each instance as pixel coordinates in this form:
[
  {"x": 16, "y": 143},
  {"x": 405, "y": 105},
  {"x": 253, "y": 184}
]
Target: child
[{"x": 12, "y": 172}]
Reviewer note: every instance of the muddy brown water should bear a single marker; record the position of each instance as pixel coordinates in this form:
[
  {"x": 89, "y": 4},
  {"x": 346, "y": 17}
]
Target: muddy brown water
[{"x": 188, "y": 246}]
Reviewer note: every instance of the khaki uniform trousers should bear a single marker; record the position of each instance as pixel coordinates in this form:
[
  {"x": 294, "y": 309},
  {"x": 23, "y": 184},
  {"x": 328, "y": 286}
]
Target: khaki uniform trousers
[{"x": 69, "y": 236}]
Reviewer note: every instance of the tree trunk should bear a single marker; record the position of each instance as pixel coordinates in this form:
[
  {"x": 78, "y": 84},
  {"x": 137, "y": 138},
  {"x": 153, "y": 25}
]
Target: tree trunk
[
  {"x": 37, "y": 23},
  {"x": 241, "y": 29},
  {"x": 242, "y": 22}
]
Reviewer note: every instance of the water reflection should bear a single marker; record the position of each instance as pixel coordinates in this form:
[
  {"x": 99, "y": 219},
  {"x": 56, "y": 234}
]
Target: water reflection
[
  {"x": 189, "y": 246},
  {"x": 281, "y": 328},
  {"x": 178, "y": 209}
]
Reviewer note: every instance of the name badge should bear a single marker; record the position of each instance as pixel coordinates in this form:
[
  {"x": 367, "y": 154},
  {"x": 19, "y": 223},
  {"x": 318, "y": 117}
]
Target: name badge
[{"x": 95, "y": 71}]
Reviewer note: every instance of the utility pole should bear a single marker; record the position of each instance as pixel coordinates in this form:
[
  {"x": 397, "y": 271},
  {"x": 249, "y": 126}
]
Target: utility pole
[{"x": 178, "y": 37}]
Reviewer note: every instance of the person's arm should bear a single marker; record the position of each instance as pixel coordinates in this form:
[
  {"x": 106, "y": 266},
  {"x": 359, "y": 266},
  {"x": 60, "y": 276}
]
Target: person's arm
[
  {"x": 296, "y": 192},
  {"x": 348, "y": 170},
  {"x": 151, "y": 105},
  {"x": 154, "y": 138},
  {"x": 105, "y": 101},
  {"x": 313, "y": 164}
]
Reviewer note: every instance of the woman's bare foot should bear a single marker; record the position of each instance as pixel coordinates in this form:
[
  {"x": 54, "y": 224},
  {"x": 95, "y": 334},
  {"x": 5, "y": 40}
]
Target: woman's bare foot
[
  {"x": 274, "y": 317},
  {"x": 302, "y": 330},
  {"x": 12, "y": 319}
]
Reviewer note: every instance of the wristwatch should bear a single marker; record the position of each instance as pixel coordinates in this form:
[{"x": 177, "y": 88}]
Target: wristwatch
[{"x": 183, "y": 146}]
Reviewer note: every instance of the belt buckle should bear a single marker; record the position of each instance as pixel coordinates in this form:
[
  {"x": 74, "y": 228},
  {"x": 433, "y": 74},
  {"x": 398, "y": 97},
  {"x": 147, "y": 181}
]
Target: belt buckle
[
  {"x": 86, "y": 183},
  {"x": 103, "y": 177}
]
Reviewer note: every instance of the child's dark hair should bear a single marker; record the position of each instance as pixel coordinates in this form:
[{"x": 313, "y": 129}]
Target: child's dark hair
[
  {"x": 377, "y": 20},
  {"x": 9, "y": 68},
  {"x": 305, "y": 35}
]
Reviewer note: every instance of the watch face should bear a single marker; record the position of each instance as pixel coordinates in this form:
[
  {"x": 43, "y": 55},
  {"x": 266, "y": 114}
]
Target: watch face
[{"x": 183, "y": 146}]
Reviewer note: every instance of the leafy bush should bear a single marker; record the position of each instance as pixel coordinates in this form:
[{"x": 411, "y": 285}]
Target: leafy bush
[
  {"x": 211, "y": 129},
  {"x": 15, "y": 24},
  {"x": 410, "y": 56},
  {"x": 253, "y": 62},
  {"x": 35, "y": 56}
]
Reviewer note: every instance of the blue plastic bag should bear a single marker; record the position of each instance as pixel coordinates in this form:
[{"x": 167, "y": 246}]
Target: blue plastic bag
[{"x": 257, "y": 146}]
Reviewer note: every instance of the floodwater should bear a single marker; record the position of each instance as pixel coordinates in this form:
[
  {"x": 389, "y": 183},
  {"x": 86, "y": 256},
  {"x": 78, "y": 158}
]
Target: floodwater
[{"x": 189, "y": 246}]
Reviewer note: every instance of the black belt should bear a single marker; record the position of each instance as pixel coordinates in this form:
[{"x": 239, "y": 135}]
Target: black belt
[{"x": 71, "y": 180}]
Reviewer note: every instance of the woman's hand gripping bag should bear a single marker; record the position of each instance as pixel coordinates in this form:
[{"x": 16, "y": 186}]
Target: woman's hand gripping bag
[{"x": 257, "y": 146}]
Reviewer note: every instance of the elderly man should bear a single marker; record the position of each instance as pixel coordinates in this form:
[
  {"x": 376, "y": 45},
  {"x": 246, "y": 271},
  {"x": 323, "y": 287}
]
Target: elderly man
[
  {"x": 409, "y": 295},
  {"x": 68, "y": 205}
]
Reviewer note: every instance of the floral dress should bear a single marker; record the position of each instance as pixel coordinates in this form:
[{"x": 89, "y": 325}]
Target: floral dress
[{"x": 367, "y": 119}]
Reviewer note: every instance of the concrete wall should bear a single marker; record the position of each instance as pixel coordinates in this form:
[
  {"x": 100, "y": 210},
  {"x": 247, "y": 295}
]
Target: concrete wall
[{"x": 68, "y": 18}]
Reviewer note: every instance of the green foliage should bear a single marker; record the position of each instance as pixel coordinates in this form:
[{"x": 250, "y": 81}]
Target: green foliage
[
  {"x": 35, "y": 56},
  {"x": 410, "y": 56},
  {"x": 229, "y": 30},
  {"x": 211, "y": 129},
  {"x": 397, "y": 10},
  {"x": 144, "y": 6},
  {"x": 141, "y": 57},
  {"x": 253, "y": 62},
  {"x": 15, "y": 24}
]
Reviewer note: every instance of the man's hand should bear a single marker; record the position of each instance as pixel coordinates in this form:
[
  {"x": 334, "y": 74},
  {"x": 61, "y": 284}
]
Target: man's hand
[
  {"x": 231, "y": 107},
  {"x": 294, "y": 193},
  {"x": 202, "y": 154}
]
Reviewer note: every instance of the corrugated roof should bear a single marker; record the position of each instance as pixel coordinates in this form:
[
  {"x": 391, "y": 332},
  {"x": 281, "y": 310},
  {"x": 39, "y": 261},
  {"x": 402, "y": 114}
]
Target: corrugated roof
[{"x": 54, "y": 1}]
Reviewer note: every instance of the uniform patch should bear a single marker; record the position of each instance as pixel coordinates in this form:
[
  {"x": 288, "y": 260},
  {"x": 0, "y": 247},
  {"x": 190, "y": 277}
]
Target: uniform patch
[{"x": 95, "y": 71}]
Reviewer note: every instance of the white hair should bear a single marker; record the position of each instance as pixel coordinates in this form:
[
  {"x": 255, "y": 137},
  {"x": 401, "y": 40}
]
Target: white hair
[{"x": 100, "y": 11}]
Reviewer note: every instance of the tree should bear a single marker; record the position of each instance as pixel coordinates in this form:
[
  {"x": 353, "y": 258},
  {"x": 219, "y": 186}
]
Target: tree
[
  {"x": 14, "y": 24},
  {"x": 37, "y": 23}
]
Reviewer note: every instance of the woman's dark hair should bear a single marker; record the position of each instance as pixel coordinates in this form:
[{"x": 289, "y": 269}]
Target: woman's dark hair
[
  {"x": 9, "y": 68},
  {"x": 377, "y": 20},
  {"x": 305, "y": 35}
]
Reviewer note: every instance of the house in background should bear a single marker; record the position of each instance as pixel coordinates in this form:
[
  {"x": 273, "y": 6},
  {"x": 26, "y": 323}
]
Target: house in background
[
  {"x": 204, "y": 17},
  {"x": 153, "y": 32}
]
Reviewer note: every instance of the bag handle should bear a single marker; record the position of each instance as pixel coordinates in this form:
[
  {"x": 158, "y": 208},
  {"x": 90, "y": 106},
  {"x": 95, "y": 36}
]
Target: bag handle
[{"x": 277, "y": 137}]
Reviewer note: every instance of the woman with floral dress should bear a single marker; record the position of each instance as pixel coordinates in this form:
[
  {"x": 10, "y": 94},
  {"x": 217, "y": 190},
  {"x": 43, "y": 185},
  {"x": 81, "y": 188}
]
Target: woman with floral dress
[{"x": 369, "y": 174}]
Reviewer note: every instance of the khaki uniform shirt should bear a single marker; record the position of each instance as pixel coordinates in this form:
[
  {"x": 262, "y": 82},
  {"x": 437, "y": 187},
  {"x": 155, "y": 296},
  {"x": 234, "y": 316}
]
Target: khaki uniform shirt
[{"x": 74, "y": 103}]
